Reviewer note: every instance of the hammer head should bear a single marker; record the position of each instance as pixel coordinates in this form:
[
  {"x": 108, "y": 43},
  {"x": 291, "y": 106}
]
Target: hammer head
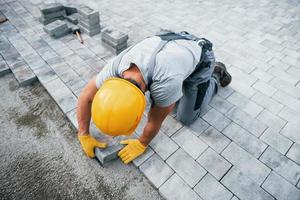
[{"x": 75, "y": 29}]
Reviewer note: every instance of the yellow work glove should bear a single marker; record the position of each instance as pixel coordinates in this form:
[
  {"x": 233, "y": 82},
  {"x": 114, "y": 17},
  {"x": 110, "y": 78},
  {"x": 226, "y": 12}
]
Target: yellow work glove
[
  {"x": 88, "y": 144},
  {"x": 133, "y": 149}
]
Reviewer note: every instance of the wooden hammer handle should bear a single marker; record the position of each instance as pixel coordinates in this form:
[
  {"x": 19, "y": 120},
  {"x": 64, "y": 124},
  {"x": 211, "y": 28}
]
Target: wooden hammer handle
[{"x": 79, "y": 37}]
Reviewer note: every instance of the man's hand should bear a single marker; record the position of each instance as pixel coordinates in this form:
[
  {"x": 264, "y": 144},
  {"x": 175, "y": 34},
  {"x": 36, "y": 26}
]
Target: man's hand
[
  {"x": 133, "y": 149},
  {"x": 88, "y": 144}
]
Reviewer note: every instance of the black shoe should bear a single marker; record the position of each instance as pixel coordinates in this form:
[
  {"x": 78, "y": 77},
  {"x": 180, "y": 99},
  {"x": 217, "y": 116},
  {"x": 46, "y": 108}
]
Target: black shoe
[{"x": 225, "y": 77}]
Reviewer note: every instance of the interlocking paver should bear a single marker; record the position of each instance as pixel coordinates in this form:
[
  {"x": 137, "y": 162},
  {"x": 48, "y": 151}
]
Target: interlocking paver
[
  {"x": 280, "y": 188},
  {"x": 170, "y": 126},
  {"x": 170, "y": 191},
  {"x": 156, "y": 170},
  {"x": 210, "y": 189},
  {"x": 271, "y": 120},
  {"x": 294, "y": 153},
  {"x": 264, "y": 88},
  {"x": 291, "y": 131},
  {"x": 245, "y": 139},
  {"x": 281, "y": 165},
  {"x": 214, "y": 163},
  {"x": 248, "y": 164},
  {"x": 262, "y": 75},
  {"x": 189, "y": 142},
  {"x": 246, "y": 121},
  {"x": 186, "y": 167},
  {"x": 287, "y": 100},
  {"x": 163, "y": 145},
  {"x": 286, "y": 87},
  {"x": 244, "y": 187},
  {"x": 215, "y": 139},
  {"x": 198, "y": 126},
  {"x": 276, "y": 140},
  {"x": 141, "y": 159},
  {"x": 216, "y": 119},
  {"x": 220, "y": 104}
]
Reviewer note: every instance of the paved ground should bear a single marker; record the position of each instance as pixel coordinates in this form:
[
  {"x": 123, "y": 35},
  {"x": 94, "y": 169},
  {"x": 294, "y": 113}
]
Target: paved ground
[{"x": 247, "y": 144}]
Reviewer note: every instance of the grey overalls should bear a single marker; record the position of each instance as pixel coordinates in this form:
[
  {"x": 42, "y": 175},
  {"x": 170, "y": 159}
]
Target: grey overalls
[{"x": 199, "y": 88}]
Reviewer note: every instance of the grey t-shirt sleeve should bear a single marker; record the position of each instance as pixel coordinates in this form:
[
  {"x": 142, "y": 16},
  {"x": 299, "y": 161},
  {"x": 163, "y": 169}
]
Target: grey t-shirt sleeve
[
  {"x": 106, "y": 73},
  {"x": 167, "y": 92}
]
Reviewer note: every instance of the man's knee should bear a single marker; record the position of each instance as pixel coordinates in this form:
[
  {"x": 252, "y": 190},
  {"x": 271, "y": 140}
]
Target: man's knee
[{"x": 187, "y": 119}]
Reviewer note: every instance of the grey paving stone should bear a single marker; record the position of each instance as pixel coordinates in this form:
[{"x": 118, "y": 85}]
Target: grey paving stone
[
  {"x": 163, "y": 145},
  {"x": 271, "y": 120},
  {"x": 294, "y": 153},
  {"x": 216, "y": 119},
  {"x": 290, "y": 115},
  {"x": 243, "y": 88},
  {"x": 45, "y": 74},
  {"x": 142, "y": 158},
  {"x": 241, "y": 76},
  {"x": 225, "y": 92},
  {"x": 245, "y": 140},
  {"x": 215, "y": 139},
  {"x": 4, "y": 69},
  {"x": 291, "y": 131},
  {"x": 281, "y": 74},
  {"x": 70, "y": 8},
  {"x": 57, "y": 28},
  {"x": 281, "y": 165},
  {"x": 189, "y": 142},
  {"x": 170, "y": 126},
  {"x": 248, "y": 164},
  {"x": 61, "y": 94},
  {"x": 264, "y": 88},
  {"x": 50, "y": 16},
  {"x": 286, "y": 87},
  {"x": 114, "y": 36},
  {"x": 262, "y": 75},
  {"x": 198, "y": 126},
  {"x": 210, "y": 189},
  {"x": 246, "y": 121},
  {"x": 186, "y": 167},
  {"x": 24, "y": 76},
  {"x": 245, "y": 104},
  {"x": 71, "y": 115},
  {"x": 220, "y": 104},
  {"x": 287, "y": 100},
  {"x": 88, "y": 26},
  {"x": 156, "y": 170},
  {"x": 280, "y": 188},
  {"x": 108, "y": 154},
  {"x": 244, "y": 187},
  {"x": 88, "y": 13},
  {"x": 169, "y": 190},
  {"x": 47, "y": 8},
  {"x": 214, "y": 163},
  {"x": 276, "y": 140}
]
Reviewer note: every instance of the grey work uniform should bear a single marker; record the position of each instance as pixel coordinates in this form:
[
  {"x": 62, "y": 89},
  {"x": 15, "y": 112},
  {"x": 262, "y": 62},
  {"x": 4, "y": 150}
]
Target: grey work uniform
[{"x": 176, "y": 74}]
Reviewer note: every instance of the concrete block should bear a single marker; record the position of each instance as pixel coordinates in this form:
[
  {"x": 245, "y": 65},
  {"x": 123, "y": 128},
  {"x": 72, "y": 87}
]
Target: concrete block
[
  {"x": 198, "y": 126},
  {"x": 186, "y": 167},
  {"x": 57, "y": 29},
  {"x": 4, "y": 69},
  {"x": 73, "y": 18},
  {"x": 285, "y": 86},
  {"x": 281, "y": 165},
  {"x": 214, "y": 163},
  {"x": 108, "y": 154},
  {"x": 71, "y": 115},
  {"x": 88, "y": 25},
  {"x": 216, "y": 119},
  {"x": 116, "y": 46},
  {"x": 59, "y": 14},
  {"x": 245, "y": 139},
  {"x": 244, "y": 187},
  {"x": 279, "y": 188},
  {"x": 156, "y": 170},
  {"x": 246, "y": 121},
  {"x": 90, "y": 33},
  {"x": 142, "y": 158},
  {"x": 70, "y": 8},
  {"x": 220, "y": 104},
  {"x": 114, "y": 36},
  {"x": 291, "y": 131},
  {"x": 290, "y": 115},
  {"x": 163, "y": 145},
  {"x": 214, "y": 139},
  {"x": 88, "y": 13},
  {"x": 271, "y": 120},
  {"x": 294, "y": 153},
  {"x": 264, "y": 88},
  {"x": 262, "y": 75},
  {"x": 189, "y": 142},
  {"x": 47, "y": 8},
  {"x": 276, "y": 140},
  {"x": 248, "y": 164},
  {"x": 287, "y": 100},
  {"x": 45, "y": 74},
  {"x": 267, "y": 102},
  {"x": 170, "y": 190},
  {"x": 209, "y": 188},
  {"x": 170, "y": 126}
]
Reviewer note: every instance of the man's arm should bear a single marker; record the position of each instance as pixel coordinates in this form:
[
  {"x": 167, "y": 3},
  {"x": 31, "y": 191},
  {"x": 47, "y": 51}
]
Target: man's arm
[
  {"x": 156, "y": 117},
  {"x": 84, "y": 107}
]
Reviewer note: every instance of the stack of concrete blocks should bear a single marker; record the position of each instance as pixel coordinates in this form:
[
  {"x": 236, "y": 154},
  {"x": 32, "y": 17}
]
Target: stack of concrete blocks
[
  {"x": 51, "y": 12},
  {"x": 72, "y": 15},
  {"x": 89, "y": 20},
  {"x": 116, "y": 39},
  {"x": 57, "y": 29}
]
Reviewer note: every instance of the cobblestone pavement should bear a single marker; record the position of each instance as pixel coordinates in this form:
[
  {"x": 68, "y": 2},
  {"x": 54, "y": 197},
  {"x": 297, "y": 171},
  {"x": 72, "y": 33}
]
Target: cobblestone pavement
[{"x": 246, "y": 145}]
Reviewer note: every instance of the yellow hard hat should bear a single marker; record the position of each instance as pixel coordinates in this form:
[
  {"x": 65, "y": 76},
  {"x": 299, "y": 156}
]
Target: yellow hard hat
[{"x": 117, "y": 107}]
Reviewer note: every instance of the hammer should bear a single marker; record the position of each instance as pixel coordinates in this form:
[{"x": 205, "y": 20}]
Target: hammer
[{"x": 76, "y": 31}]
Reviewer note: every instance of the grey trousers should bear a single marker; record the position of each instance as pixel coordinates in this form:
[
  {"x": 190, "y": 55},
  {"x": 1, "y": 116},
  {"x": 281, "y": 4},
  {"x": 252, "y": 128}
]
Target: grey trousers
[{"x": 198, "y": 89}]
